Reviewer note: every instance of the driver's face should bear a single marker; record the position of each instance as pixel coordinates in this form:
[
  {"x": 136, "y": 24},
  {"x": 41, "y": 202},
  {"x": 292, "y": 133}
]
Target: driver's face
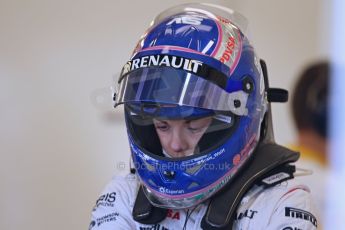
[{"x": 180, "y": 137}]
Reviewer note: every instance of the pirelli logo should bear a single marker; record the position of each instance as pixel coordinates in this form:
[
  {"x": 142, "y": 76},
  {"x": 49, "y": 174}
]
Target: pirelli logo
[{"x": 300, "y": 214}]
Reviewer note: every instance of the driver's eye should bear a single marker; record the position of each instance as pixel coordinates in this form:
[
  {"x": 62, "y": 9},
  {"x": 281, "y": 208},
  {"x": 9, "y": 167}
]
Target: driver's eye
[{"x": 162, "y": 127}]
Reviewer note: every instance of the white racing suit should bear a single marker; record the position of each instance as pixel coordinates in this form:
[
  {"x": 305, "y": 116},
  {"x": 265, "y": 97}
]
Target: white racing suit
[{"x": 286, "y": 206}]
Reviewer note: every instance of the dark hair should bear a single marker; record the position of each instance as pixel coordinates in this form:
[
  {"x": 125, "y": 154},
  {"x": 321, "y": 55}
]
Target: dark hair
[{"x": 310, "y": 98}]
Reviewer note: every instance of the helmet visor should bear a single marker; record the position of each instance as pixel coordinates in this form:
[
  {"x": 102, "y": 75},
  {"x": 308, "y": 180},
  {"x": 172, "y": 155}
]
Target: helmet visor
[{"x": 171, "y": 86}]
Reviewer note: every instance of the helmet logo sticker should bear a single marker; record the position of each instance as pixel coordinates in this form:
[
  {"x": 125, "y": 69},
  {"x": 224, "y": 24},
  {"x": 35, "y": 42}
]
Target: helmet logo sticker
[
  {"x": 192, "y": 20},
  {"x": 176, "y": 62},
  {"x": 169, "y": 191},
  {"x": 230, "y": 45}
]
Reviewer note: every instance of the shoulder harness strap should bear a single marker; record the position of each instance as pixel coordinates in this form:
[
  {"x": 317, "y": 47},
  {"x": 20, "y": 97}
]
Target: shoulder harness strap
[
  {"x": 269, "y": 166},
  {"x": 144, "y": 212}
]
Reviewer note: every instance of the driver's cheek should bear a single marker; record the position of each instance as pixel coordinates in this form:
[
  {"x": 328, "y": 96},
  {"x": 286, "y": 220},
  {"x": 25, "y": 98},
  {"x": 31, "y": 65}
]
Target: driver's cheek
[{"x": 192, "y": 139}]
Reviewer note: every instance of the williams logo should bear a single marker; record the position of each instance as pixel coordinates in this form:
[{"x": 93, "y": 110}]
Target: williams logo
[{"x": 300, "y": 214}]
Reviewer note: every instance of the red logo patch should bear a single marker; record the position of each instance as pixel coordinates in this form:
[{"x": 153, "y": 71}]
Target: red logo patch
[
  {"x": 229, "y": 50},
  {"x": 173, "y": 215}
]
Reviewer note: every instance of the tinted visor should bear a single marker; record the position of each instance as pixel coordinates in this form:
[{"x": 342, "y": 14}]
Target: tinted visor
[{"x": 167, "y": 85}]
